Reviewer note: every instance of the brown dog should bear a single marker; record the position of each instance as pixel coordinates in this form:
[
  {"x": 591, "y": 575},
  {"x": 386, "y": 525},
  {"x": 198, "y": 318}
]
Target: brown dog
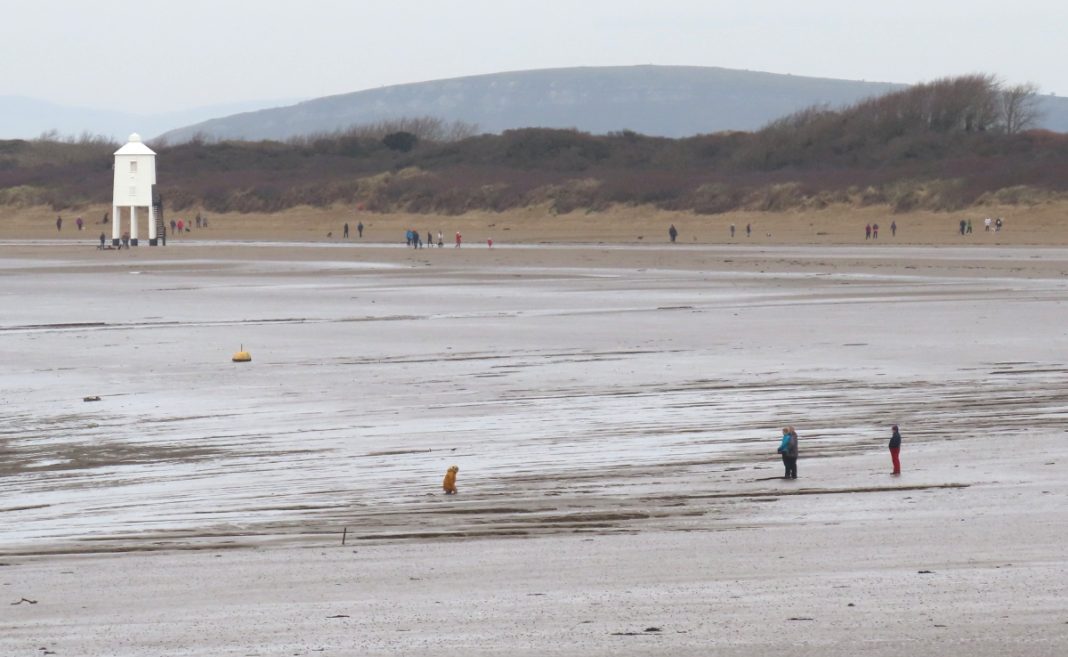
[{"x": 450, "y": 480}]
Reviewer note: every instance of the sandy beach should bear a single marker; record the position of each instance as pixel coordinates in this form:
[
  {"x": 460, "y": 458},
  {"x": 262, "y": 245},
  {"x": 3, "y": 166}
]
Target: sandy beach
[
  {"x": 1033, "y": 225},
  {"x": 614, "y": 410}
]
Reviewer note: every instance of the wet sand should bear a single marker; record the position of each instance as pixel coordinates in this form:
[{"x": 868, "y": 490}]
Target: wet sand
[{"x": 614, "y": 411}]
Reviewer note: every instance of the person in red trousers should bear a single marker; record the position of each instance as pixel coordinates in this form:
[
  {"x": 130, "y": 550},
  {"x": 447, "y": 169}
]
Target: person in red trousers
[{"x": 895, "y": 450}]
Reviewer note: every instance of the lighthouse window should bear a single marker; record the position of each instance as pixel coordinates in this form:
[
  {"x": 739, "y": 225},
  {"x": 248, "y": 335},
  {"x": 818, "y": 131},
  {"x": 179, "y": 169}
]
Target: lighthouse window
[
  {"x": 133, "y": 191},
  {"x": 133, "y": 167}
]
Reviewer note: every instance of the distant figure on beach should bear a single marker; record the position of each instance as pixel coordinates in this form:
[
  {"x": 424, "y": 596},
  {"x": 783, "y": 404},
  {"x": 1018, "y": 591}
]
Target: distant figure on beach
[
  {"x": 198, "y": 220},
  {"x": 78, "y": 223},
  {"x": 126, "y": 240},
  {"x": 788, "y": 449},
  {"x": 969, "y": 227},
  {"x": 103, "y": 238},
  {"x": 875, "y": 231},
  {"x": 895, "y": 449},
  {"x": 59, "y": 223},
  {"x": 359, "y": 230},
  {"x": 429, "y": 239},
  {"x": 105, "y": 219},
  {"x": 408, "y": 237},
  {"x": 459, "y": 239},
  {"x": 181, "y": 225},
  {"x": 345, "y": 230},
  {"x": 173, "y": 225},
  {"x": 997, "y": 225},
  {"x": 672, "y": 233},
  {"x": 489, "y": 242},
  {"x": 867, "y": 232},
  {"x": 893, "y": 228},
  {"x": 732, "y": 231},
  {"x": 986, "y": 224},
  {"x": 441, "y": 240},
  {"x": 963, "y": 225},
  {"x": 748, "y": 230},
  {"x": 449, "y": 484},
  {"x": 204, "y": 221}
]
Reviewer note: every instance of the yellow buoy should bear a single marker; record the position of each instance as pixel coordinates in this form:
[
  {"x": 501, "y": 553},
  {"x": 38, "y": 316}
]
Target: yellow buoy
[{"x": 242, "y": 356}]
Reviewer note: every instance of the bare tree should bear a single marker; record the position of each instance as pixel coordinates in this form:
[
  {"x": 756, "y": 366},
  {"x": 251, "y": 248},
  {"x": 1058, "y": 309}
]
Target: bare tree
[{"x": 1019, "y": 107}]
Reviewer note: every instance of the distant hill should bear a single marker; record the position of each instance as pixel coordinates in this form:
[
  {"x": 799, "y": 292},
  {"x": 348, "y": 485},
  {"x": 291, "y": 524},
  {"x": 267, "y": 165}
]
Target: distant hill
[
  {"x": 27, "y": 118},
  {"x": 669, "y": 101}
]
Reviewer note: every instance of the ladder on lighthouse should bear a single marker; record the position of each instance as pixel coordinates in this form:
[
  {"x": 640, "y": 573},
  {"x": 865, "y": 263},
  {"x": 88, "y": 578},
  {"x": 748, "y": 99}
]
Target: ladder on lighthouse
[{"x": 157, "y": 207}]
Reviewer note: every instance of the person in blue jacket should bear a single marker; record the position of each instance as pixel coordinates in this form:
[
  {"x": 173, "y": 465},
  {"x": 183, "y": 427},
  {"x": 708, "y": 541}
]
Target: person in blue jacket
[
  {"x": 788, "y": 449},
  {"x": 895, "y": 449}
]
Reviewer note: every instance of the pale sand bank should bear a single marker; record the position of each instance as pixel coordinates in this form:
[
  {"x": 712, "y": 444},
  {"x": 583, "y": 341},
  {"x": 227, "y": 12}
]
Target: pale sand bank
[{"x": 614, "y": 412}]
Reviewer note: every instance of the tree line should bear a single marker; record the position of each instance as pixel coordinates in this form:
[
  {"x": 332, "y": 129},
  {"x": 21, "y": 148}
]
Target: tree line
[{"x": 941, "y": 145}]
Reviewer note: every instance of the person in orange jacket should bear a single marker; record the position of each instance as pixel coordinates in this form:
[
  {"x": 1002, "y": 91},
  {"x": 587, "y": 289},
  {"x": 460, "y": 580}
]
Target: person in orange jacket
[{"x": 450, "y": 480}]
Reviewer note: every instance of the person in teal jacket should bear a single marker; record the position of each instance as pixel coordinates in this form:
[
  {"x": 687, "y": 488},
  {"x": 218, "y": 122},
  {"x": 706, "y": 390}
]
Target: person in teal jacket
[{"x": 788, "y": 449}]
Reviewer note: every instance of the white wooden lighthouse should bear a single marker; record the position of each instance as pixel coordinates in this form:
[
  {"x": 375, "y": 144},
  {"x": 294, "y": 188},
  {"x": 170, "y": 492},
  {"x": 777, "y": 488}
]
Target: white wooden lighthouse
[{"x": 135, "y": 176}]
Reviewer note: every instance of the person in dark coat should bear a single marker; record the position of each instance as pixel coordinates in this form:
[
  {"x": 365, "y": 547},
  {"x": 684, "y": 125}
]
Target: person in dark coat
[
  {"x": 672, "y": 233},
  {"x": 895, "y": 450}
]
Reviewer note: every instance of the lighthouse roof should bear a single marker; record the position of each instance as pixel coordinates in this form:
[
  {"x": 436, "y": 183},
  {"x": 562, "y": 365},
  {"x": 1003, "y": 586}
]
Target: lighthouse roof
[{"x": 134, "y": 146}]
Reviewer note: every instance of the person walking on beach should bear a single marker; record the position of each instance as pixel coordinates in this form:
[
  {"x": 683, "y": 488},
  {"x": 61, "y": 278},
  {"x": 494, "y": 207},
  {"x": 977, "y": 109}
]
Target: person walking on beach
[
  {"x": 59, "y": 223},
  {"x": 78, "y": 222},
  {"x": 459, "y": 239},
  {"x": 126, "y": 240},
  {"x": 788, "y": 449},
  {"x": 345, "y": 230},
  {"x": 895, "y": 449},
  {"x": 963, "y": 225},
  {"x": 867, "y": 232},
  {"x": 969, "y": 227},
  {"x": 441, "y": 240},
  {"x": 181, "y": 225},
  {"x": 103, "y": 238},
  {"x": 429, "y": 239},
  {"x": 893, "y": 229},
  {"x": 732, "y": 231},
  {"x": 875, "y": 231},
  {"x": 359, "y": 230},
  {"x": 749, "y": 230},
  {"x": 672, "y": 233}
]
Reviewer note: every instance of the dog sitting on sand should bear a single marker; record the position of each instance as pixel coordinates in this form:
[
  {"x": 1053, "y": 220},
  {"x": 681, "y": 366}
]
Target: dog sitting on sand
[{"x": 450, "y": 480}]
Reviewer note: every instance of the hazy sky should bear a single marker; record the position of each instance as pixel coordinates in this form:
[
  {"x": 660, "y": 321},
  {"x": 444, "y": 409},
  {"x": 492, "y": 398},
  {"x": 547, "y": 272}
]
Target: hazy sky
[{"x": 156, "y": 55}]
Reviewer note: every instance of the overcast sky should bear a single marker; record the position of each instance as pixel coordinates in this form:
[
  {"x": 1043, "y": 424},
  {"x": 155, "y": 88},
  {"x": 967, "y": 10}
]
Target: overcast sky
[{"x": 156, "y": 55}]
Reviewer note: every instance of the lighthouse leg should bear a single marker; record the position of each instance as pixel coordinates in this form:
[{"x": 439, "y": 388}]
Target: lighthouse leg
[
  {"x": 116, "y": 226},
  {"x": 133, "y": 225},
  {"x": 152, "y": 226}
]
